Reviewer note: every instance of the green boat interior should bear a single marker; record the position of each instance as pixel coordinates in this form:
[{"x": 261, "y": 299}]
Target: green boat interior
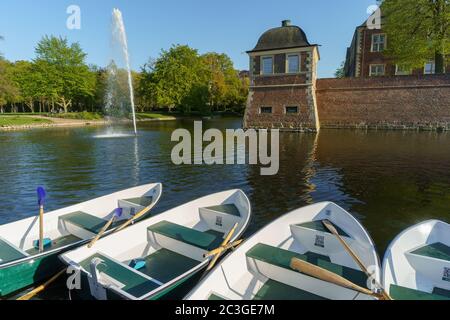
[
  {"x": 56, "y": 243},
  {"x": 207, "y": 240},
  {"x": 125, "y": 278},
  {"x": 274, "y": 290},
  {"x": 318, "y": 226},
  {"x": 225, "y": 208},
  {"x": 436, "y": 250},
  {"x": 9, "y": 252},
  {"x": 72, "y": 228},
  {"x": 403, "y": 293}
]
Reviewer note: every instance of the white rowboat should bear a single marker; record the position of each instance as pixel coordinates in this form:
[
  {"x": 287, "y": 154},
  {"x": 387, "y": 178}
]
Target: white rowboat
[
  {"x": 151, "y": 258},
  {"x": 416, "y": 265},
  {"x": 21, "y": 262},
  {"x": 260, "y": 269}
]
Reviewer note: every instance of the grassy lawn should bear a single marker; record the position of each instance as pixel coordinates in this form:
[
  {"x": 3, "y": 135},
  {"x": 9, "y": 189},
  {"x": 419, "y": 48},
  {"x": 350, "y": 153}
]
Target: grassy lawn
[
  {"x": 78, "y": 115},
  {"x": 151, "y": 115},
  {"x": 7, "y": 121}
]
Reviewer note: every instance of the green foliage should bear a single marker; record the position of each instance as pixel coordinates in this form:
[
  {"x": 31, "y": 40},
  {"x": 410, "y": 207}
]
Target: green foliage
[
  {"x": 9, "y": 121},
  {"x": 67, "y": 77},
  {"x": 418, "y": 31},
  {"x": 340, "y": 72},
  {"x": 182, "y": 79},
  {"x": 179, "y": 80},
  {"x": 78, "y": 115},
  {"x": 151, "y": 115}
]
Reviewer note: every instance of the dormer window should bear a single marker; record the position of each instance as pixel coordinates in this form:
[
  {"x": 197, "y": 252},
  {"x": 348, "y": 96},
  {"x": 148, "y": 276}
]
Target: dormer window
[
  {"x": 378, "y": 42},
  {"x": 267, "y": 65},
  {"x": 293, "y": 63}
]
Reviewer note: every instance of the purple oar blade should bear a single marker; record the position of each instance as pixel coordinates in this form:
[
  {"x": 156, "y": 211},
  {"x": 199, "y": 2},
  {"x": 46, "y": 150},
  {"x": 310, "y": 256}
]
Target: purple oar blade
[
  {"x": 41, "y": 196},
  {"x": 118, "y": 213}
]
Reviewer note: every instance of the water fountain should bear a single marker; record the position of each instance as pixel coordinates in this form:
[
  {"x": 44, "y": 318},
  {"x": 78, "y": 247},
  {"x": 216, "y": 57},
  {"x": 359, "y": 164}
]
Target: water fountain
[{"x": 120, "y": 81}]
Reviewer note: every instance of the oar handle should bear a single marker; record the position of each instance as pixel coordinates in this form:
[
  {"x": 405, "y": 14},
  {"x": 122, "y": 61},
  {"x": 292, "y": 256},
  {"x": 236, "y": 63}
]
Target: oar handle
[
  {"x": 137, "y": 216},
  {"x": 102, "y": 231},
  {"x": 221, "y": 249},
  {"x": 325, "y": 275},
  {"x": 41, "y": 228},
  {"x": 355, "y": 257},
  {"x": 42, "y": 287}
]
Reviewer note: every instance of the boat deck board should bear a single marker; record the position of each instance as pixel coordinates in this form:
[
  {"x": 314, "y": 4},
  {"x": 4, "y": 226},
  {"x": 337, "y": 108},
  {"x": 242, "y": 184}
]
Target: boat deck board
[
  {"x": 165, "y": 265},
  {"x": 142, "y": 201},
  {"x": 318, "y": 226},
  {"x": 282, "y": 258},
  {"x": 230, "y": 209},
  {"x": 84, "y": 220},
  {"x": 134, "y": 283},
  {"x": 273, "y": 290},
  {"x": 9, "y": 253},
  {"x": 57, "y": 243},
  {"x": 205, "y": 240},
  {"x": 436, "y": 250},
  {"x": 403, "y": 293}
]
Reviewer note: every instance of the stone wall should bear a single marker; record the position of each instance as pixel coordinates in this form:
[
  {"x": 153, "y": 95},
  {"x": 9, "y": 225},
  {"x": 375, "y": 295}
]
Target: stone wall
[
  {"x": 407, "y": 102},
  {"x": 278, "y": 99}
]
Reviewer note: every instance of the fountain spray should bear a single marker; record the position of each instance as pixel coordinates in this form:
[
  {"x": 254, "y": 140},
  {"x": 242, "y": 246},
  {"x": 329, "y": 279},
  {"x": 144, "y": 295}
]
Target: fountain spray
[{"x": 121, "y": 36}]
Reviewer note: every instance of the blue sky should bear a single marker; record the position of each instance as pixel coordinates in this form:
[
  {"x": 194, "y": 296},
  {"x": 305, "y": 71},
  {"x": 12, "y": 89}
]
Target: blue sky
[{"x": 231, "y": 26}]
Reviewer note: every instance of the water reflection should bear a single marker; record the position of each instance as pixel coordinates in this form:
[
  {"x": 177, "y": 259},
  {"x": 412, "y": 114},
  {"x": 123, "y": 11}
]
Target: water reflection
[{"x": 389, "y": 180}]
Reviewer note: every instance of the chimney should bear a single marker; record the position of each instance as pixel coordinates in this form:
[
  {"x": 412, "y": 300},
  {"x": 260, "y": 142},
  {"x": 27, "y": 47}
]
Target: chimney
[{"x": 285, "y": 23}]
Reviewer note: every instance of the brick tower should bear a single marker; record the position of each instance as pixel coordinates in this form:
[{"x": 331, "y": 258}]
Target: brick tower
[{"x": 283, "y": 72}]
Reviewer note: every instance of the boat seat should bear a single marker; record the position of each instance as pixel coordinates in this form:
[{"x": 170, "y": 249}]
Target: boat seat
[
  {"x": 85, "y": 221},
  {"x": 436, "y": 250},
  {"x": 230, "y": 209},
  {"x": 282, "y": 258},
  {"x": 123, "y": 276},
  {"x": 318, "y": 226},
  {"x": 9, "y": 252},
  {"x": 203, "y": 240},
  {"x": 142, "y": 201},
  {"x": 402, "y": 293}
]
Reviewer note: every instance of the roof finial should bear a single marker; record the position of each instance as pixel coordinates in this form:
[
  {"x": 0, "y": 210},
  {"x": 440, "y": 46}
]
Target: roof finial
[{"x": 286, "y": 23}]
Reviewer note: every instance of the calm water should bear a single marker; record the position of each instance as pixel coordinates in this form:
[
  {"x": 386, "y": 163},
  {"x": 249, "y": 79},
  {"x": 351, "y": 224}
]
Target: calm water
[{"x": 388, "y": 180}]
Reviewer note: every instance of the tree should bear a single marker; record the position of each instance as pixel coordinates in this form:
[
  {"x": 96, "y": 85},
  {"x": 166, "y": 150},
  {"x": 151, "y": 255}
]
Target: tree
[
  {"x": 224, "y": 84},
  {"x": 175, "y": 73},
  {"x": 417, "y": 30},
  {"x": 340, "y": 72},
  {"x": 68, "y": 77},
  {"x": 8, "y": 90}
]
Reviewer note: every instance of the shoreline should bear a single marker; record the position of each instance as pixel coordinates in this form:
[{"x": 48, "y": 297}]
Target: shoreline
[{"x": 68, "y": 123}]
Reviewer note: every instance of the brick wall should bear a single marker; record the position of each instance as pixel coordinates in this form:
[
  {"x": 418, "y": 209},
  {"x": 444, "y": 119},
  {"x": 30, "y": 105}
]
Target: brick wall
[
  {"x": 278, "y": 99},
  {"x": 407, "y": 102}
]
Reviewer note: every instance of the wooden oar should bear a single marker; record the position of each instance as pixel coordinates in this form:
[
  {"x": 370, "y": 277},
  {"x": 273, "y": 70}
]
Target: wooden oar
[
  {"x": 328, "y": 276},
  {"x": 223, "y": 247},
  {"x": 137, "y": 216},
  {"x": 355, "y": 257},
  {"x": 42, "y": 287},
  {"x": 41, "y": 199},
  {"x": 117, "y": 214}
]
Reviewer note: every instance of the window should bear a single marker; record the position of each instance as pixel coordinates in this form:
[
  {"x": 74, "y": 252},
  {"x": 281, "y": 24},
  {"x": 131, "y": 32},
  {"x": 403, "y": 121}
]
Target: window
[
  {"x": 377, "y": 70},
  {"x": 402, "y": 70},
  {"x": 267, "y": 65},
  {"x": 378, "y": 42},
  {"x": 430, "y": 68},
  {"x": 266, "y": 110},
  {"x": 291, "y": 109},
  {"x": 293, "y": 63}
]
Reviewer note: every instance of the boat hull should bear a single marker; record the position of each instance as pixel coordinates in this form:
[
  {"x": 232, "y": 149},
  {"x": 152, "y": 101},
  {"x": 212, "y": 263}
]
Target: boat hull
[{"x": 27, "y": 273}]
